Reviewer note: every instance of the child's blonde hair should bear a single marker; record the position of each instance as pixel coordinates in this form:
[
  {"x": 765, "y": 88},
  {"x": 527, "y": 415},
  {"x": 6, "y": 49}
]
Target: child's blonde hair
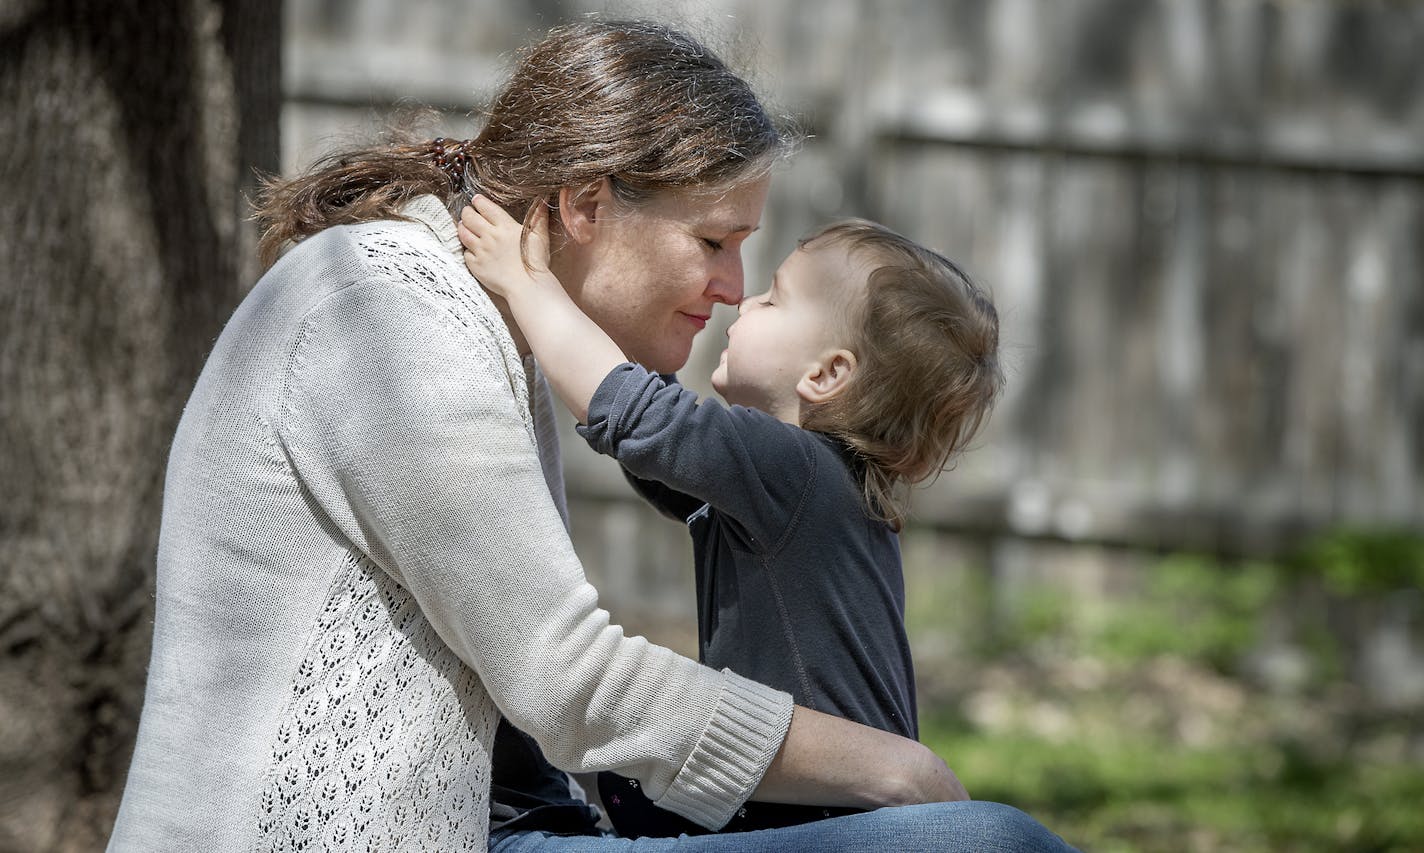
[{"x": 926, "y": 344}]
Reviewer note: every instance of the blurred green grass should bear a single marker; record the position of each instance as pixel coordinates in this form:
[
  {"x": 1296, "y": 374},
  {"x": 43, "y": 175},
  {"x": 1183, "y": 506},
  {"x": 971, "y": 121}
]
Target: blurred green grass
[
  {"x": 1132, "y": 794},
  {"x": 1163, "y": 719}
]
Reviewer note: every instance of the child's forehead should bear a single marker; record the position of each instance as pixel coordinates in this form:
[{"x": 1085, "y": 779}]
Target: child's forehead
[{"x": 831, "y": 266}]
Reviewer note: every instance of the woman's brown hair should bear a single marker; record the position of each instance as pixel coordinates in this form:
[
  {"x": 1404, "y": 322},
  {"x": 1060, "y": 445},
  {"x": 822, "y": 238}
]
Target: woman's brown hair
[
  {"x": 926, "y": 340},
  {"x": 641, "y": 104}
]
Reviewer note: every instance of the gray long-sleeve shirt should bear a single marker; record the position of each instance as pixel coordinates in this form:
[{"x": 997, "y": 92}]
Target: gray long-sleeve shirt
[{"x": 798, "y": 587}]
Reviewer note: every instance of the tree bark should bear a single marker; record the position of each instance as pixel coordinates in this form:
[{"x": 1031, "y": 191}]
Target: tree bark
[{"x": 130, "y": 135}]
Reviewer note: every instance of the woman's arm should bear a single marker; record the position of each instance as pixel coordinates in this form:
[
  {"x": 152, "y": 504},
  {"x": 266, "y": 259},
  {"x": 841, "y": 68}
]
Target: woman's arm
[{"x": 830, "y": 761}]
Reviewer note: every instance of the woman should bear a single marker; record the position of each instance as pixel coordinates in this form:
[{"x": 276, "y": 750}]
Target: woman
[{"x": 363, "y": 563}]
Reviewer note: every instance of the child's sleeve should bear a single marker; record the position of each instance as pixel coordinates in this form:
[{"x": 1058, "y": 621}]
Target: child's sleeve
[
  {"x": 678, "y": 506},
  {"x": 750, "y": 466}
]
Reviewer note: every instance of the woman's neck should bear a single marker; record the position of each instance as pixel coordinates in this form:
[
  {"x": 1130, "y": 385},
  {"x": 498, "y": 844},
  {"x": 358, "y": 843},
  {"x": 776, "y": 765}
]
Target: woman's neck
[{"x": 519, "y": 342}]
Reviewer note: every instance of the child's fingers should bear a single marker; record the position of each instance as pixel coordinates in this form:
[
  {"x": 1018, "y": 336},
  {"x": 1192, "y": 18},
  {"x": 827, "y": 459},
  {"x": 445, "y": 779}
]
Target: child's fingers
[
  {"x": 471, "y": 263},
  {"x": 482, "y": 205},
  {"x": 493, "y": 213},
  {"x": 480, "y": 215},
  {"x": 472, "y": 221}
]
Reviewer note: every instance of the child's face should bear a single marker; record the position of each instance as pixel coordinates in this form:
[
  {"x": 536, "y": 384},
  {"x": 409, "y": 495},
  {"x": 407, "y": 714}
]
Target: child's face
[{"x": 788, "y": 330}]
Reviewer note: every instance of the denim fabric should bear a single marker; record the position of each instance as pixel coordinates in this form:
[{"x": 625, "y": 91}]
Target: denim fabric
[{"x": 974, "y": 826}]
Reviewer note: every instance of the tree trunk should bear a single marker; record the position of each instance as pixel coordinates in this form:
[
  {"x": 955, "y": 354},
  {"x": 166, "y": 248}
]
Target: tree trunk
[{"x": 130, "y": 132}]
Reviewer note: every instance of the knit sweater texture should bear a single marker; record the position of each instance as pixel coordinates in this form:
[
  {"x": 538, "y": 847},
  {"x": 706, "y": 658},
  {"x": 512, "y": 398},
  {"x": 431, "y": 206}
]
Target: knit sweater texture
[{"x": 364, "y": 561}]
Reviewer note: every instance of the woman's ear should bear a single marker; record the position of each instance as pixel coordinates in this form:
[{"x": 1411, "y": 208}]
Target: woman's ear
[
  {"x": 581, "y": 207},
  {"x": 828, "y": 377}
]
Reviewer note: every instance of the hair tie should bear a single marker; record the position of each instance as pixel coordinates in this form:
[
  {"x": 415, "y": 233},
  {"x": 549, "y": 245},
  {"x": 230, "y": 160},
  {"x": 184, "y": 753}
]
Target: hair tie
[{"x": 452, "y": 156}]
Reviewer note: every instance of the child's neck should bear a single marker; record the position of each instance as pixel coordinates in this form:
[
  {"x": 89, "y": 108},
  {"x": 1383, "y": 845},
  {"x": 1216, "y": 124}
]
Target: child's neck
[{"x": 788, "y": 412}]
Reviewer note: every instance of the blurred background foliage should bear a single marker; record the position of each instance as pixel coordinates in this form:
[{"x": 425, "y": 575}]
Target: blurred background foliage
[{"x": 1215, "y": 706}]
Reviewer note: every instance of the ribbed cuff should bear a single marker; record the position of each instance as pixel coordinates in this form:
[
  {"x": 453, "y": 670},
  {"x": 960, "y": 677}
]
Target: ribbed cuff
[{"x": 746, "y": 730}]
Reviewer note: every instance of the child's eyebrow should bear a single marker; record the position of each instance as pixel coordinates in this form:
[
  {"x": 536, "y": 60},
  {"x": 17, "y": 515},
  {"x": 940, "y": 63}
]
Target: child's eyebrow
[{"x": 765, "y": 293}]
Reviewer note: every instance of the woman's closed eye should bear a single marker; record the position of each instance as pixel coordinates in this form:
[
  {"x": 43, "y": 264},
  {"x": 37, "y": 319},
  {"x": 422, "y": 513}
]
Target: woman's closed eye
[{"x": 714, "y": 245}]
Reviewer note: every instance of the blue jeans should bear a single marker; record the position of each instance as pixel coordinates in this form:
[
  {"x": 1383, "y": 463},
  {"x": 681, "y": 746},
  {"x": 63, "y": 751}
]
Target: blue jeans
[{"x": 973, "y": 826}]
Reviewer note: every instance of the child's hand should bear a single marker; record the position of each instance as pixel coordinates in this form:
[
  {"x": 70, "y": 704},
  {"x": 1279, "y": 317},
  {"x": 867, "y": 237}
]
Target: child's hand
[{"x": 491, "y": 240}]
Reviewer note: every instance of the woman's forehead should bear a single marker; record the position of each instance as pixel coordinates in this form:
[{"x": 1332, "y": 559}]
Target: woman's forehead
[{"x": 726, "y": 210}]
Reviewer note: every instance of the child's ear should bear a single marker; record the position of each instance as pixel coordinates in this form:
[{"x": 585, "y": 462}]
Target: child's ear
[
  {"x": 580, "y": 208},
  {"x": 830, "y": 376}
]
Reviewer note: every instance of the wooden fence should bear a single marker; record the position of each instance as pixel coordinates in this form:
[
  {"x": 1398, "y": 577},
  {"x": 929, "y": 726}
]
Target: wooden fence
[{"x": 1203, "y": 224}]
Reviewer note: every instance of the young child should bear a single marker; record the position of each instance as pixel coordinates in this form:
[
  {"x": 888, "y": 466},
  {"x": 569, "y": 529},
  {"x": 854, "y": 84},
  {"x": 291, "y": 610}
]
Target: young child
[{"x": 869, "y": 363}]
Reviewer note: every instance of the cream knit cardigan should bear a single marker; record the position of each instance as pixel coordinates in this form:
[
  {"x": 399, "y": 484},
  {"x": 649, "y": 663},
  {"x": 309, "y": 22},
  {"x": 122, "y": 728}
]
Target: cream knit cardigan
[{"x": 363, "y": 562}]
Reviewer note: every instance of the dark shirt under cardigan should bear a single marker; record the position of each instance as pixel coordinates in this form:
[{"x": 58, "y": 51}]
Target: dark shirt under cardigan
[{"x": 798, "y": 587}]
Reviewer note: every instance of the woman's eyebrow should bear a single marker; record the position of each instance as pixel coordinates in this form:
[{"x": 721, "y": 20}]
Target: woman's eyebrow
[{"x": 732, "y": 229}]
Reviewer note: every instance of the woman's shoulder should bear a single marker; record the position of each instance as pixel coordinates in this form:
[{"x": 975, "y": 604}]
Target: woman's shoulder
[
  {"x": 418, "y": 247},
  {"x": 342, "y": 255},
  {"x": 397, "y": 260}
]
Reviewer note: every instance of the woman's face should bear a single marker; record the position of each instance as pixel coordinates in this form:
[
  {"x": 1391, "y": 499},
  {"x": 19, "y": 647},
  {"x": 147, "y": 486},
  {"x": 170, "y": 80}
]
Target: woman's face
[{"x": 649, "y": 275}]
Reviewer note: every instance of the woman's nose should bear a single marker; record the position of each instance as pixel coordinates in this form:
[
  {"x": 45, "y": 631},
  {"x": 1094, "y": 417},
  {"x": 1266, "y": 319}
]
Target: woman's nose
[{"x": 726, "y": 283}]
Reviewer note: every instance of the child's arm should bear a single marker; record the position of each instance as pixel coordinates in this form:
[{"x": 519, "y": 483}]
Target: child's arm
[
  {"x": 574, "y": 353},
  {"x": 747, "y": 464},
  {"x": 744, "y": 462},
  {"x": 671, "y": 502}
]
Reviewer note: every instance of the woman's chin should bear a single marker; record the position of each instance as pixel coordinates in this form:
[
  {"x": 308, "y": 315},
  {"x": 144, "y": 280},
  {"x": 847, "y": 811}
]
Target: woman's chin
[{"x": 669, "y": 359}]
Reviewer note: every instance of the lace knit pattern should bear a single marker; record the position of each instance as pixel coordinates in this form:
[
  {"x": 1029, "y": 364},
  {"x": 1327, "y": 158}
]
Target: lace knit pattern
[{"x": 356, "y": 761}]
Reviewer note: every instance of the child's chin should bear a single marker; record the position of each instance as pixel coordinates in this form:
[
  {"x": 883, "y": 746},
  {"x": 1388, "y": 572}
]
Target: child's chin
[{"x": 731, "y": 397}]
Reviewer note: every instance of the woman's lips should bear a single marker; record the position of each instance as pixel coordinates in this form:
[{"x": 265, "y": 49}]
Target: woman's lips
[{"x": 698, "y": 320}]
